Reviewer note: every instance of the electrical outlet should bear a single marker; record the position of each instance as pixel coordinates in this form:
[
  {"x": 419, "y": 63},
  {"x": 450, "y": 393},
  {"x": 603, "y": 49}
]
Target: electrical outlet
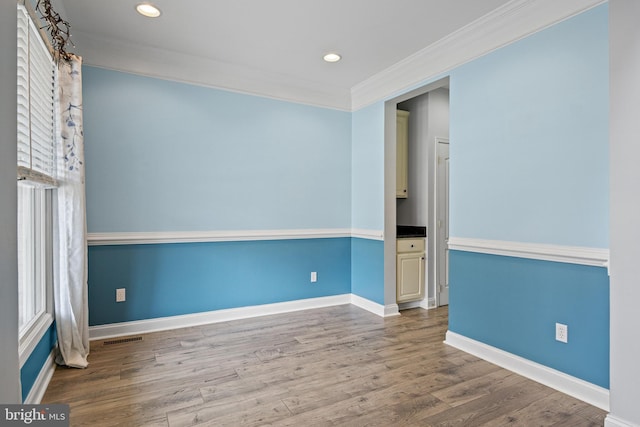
[
  {"x": 314, "y": 277},
  {"x": 562, "y": 333},
  {"x": 121, "y": 295}
]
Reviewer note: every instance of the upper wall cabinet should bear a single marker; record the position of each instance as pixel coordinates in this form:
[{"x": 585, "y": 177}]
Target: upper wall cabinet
[{"x": 402, "y": 153}]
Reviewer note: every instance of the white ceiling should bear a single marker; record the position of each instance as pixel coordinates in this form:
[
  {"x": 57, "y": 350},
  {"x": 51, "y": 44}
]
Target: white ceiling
[
  {"x": 274, "y": 48},
  {"x": 281, "y": 41}
]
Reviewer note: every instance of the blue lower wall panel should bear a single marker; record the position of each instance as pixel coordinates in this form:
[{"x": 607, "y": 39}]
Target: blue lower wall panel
[
  {"x": 32, "y": 367},
  {"x": 514, "y": 303},
  {"x": 183, "y": 278},
  {"x": 367, "y": 269}
]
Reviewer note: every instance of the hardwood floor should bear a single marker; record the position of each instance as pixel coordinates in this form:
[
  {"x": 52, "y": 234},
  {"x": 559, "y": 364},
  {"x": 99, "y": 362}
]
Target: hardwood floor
[{"x": 332, "y": 366}]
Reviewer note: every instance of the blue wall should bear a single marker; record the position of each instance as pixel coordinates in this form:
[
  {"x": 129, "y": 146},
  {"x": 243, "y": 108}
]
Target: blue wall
[
  {"x": 529, "y": 138},
  {"x": 367, "y": 269},
  {"x": 529, "y": 163},
  {"x": 367, "y": 206},
  {"x": 32, "y": 367},
  {"x": 183, "y": 278},
  {"x": 367, "y": 169},
  {"x": 167, "y": 156},
  {"x": 514, "y": 303}
]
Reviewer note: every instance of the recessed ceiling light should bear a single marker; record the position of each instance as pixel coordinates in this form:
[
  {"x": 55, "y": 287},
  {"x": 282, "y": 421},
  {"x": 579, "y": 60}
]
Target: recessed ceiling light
[
  {"x": 332, "y": 57},
  {"x": 148, "y": 10}
]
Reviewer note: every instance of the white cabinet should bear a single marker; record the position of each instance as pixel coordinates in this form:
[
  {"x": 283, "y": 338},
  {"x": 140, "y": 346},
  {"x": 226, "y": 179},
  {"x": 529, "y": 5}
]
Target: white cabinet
[
  {"x": 410, "y": 269},
  {"x": 402, "y": 153}
]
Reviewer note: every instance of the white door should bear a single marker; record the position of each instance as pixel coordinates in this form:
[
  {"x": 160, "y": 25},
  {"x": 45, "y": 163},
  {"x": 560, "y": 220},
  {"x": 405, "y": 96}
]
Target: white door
[{"x": 442, "y": 221}]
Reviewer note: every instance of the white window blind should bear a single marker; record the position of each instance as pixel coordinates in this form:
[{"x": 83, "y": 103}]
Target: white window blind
[
  {"x": 37, "y": 109},
  {"x": 36, "y": 106}
]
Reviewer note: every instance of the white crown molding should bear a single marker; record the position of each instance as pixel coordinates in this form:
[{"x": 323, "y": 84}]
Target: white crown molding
[
  {"x": 177, "y": 66},
  {"x": 112, "y": 330},
  {"x": 506, "y": 24},
  {"x": 41, "y": 383},
  {"x": 580, "y": 389},
  {"x": 596, "y": 257}
]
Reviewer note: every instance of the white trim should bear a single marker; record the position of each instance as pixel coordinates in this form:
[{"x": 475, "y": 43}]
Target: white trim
[
  {"x": 409, "y": 305},
  {"x": 570, "y": 254},
  {"x": 580, "y": 389},
  {"x": 428, "y": 303},
  {"x": 374, "y": 307},
  {"x": 33, "y": 337},
  {"x": 611, "y": 421},
  {"x": 42, "y": 381},
  {"x": 196, "y": 319},
  {"x": 139, "y": 238},
  {"x": 391, "y": 310},
  {"x": 504, "y": 25},
  {"x": 362, "y": 233},
  {"x": 112, "y": 54}
]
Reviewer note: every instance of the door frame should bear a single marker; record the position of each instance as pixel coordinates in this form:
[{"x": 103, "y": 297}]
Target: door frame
[
  {"x": 390, "y": 215},
  {"x": 438, "y": 243}
]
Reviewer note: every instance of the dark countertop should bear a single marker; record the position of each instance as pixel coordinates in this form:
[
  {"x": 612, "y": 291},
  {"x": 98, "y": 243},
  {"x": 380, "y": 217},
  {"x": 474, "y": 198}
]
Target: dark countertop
[{"x": 410, "y": 231}]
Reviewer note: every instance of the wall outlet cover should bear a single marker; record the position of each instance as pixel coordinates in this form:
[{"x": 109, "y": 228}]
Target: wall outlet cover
[
  {"x": 562, "y": 333},
  {"x": 121, "y": 295}
]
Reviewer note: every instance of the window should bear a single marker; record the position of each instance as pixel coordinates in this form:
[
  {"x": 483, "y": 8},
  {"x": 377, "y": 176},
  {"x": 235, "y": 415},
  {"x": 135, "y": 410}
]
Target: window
[
  {"x": 36, "y": 170},
  {"x": 34, "y": 259},
  {"x": 36, "y": 124}
]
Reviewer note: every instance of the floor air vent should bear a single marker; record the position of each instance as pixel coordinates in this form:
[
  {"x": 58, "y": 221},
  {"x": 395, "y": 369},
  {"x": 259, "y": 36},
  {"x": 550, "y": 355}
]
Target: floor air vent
[{"x": 122, "y": 340}]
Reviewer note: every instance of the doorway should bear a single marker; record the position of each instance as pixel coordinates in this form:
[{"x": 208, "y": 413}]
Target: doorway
[{"x": 426, "y": 205}]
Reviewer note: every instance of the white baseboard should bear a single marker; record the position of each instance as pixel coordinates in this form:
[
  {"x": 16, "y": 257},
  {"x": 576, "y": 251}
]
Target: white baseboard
[
  {"x": 42, "y": 381},
  {"x": 174, "y": 322},
  {"x": 611, "y": 421},
  {"x": 374, "y": 307},
  {"x": 409, "y": 305},
  {"x": 580, "y": 389},
  {"x": 428, "y": 303},
  {"x": 391, "y": 310}
]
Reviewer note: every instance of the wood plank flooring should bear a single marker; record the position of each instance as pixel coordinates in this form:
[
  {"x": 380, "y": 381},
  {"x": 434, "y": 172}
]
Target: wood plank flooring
[{"x": 333, "y": 366}]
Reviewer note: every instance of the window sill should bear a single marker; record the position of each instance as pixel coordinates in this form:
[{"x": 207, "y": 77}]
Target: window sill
[{"x": 32, "y": 338}]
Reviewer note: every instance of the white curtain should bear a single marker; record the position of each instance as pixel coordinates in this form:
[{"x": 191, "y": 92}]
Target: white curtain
[{"x": 70, "y": 262}]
